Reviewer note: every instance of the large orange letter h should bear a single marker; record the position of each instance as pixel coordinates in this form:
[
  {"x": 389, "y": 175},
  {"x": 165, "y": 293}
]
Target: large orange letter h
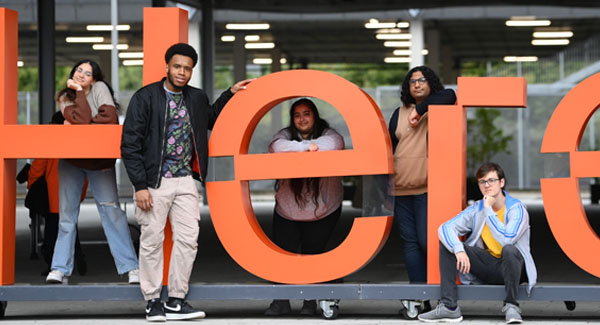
[
  {"x": 8, "y": 115},
  {"x": 163, "y": 27}
]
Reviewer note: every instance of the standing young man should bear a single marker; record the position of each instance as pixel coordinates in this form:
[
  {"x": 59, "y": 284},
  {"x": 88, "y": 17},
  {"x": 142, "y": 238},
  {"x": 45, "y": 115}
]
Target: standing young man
[
  {"x": 496, "y": 250},
  {"x": 164, "y": 144}
]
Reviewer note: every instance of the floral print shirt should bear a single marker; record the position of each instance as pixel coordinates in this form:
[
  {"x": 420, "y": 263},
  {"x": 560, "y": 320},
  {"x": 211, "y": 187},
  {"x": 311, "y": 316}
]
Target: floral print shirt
[{"x": 178, "y": 145}]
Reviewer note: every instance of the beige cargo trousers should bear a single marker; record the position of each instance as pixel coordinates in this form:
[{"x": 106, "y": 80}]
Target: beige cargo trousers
[{"x": 177, "y": 198}]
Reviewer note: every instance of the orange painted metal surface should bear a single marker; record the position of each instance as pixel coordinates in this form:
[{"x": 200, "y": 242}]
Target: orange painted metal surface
[
  {"x": 562, "y": 202},
  {"x": 446, "y": 175},
  {"x": 8, "y": 116},
  {"x": 447, "y": 151},
  {"x": 163, "y": 27},
  {"x": 232, "y": 214}
]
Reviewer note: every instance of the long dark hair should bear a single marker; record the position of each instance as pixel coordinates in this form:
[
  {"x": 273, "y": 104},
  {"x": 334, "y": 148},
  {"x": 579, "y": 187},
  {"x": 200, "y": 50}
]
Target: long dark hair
[
  {"x": 298, "y": 184},
  {"x": 432, "y": 79},
  {"x": 96, "y": 74}
]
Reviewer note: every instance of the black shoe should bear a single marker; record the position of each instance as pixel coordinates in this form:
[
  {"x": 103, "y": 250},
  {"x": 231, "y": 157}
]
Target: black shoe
[
  {"x": 155, "y": 311},
  {"x": 426, "y": 306},
  {"x": 309, "y": 308},
  {"x": 177, "y": 308},
  {"x": 81, "y": 264},
  {"x": 279, "y": 307}
]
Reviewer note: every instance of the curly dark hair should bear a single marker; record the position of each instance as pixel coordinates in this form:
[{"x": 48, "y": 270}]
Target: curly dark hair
[
  {"x": 298, "y": 185},
  {"x": 432, "y": 79}
]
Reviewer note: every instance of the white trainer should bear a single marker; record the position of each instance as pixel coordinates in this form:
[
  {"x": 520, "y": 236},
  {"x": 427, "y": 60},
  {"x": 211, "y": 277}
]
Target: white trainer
[
  {"x": 134, "y": 276},
  {"x": 56, "y": 276}
]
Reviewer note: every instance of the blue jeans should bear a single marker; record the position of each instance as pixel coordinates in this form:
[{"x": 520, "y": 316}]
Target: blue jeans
[
  {"x": 410, "y": 212},
  {"x": 114, "y": 221}
]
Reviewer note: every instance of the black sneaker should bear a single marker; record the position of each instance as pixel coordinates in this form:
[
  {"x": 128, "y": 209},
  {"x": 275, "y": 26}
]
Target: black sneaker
[
  {"x": 426, "y": 306},
  {"x": 309, "y": 308},
  {"x": 155, "y": 311},
  {"x": 177, "y": 308},
  {"x": 279, "y": 307}
]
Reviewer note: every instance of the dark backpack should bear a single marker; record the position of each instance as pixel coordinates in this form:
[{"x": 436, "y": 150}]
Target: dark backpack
[{"x": 37, "y": 197}]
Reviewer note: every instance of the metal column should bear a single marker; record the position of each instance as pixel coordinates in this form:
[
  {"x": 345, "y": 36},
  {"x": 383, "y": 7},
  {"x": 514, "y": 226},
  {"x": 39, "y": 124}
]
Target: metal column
[
  {"x": 46, "y": 63},
  {"x": 239, "y": 57}
]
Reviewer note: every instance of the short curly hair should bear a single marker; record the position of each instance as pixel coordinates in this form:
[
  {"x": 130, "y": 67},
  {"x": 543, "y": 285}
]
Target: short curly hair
[
  {"x": 181, "y": 49},
  {"x": 432, "y": 79}
]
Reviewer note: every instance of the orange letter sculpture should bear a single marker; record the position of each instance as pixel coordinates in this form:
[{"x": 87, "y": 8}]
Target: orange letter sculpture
[
  {"x": 562, "y": 203},
  {"x": 232, "y": 214},
  {"x": 163, "y": 35},
  {"x": 448, "y": 148},
  {"x": 8, "y": 116},
  {"x": 62, "y": 141},
  {"x": 35, "y": 141}
]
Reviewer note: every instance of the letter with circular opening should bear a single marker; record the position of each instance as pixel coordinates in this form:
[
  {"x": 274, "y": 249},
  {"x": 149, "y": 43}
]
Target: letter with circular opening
[
  {"x": 562, "y": 203},
  {"x": 229, "y": 201}
]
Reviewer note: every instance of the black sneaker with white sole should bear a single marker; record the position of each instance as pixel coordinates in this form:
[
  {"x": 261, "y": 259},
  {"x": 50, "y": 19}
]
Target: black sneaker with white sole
[
  {"x": 155, "y": 311},
  {"x": 177, "y": 308}
]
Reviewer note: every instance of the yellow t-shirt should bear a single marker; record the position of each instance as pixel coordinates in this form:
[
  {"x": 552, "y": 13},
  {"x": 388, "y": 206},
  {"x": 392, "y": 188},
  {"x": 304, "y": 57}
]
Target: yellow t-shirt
[{"x": 492, "y": 244}]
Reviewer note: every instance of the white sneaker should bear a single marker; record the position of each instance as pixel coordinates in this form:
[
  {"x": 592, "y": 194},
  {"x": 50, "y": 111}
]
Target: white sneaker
[
  {"x": 134, "y": 276},
  {"x": 56, "y": 276}
]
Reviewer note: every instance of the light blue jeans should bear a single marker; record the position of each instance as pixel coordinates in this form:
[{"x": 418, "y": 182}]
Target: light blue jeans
[{"x": 114, "y": 221}]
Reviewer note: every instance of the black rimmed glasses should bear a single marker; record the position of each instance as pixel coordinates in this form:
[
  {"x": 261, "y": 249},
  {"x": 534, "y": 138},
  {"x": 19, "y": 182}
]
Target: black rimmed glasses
[
  {"x": 490, "y": 181},
  {"x": 420, "y": 81}
]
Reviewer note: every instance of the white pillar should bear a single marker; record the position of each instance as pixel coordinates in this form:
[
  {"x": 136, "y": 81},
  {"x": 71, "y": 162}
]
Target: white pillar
[
  {"x": 417, "y": 41},
  {"x": 114, "y": 37},
  {"x": 194, "y": 41},
  {"x": 520, "y": 138}
]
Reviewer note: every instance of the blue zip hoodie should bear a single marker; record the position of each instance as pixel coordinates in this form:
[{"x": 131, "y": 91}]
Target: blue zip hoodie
[{"x": 514, "y": 231}]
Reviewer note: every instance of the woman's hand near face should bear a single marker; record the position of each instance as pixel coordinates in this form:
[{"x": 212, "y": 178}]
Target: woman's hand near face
[{"x": 73, "y": 85}]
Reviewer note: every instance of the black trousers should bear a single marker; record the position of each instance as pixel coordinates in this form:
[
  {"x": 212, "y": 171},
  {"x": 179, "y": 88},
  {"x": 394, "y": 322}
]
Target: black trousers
[
  {"x": 304, "y": 237},
  {"x": 507, "y": 270}
]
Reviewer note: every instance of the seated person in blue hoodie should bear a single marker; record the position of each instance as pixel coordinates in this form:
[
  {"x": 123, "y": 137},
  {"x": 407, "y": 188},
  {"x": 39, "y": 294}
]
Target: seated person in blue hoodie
[{"x": 496, "y": 250}]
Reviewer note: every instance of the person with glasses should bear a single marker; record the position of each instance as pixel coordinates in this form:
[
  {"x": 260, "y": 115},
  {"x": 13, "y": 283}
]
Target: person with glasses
[
  {"x": 496, "y": 250},
  {"x": 88, "y": 99},
  {"x": 408, "y": 130}
]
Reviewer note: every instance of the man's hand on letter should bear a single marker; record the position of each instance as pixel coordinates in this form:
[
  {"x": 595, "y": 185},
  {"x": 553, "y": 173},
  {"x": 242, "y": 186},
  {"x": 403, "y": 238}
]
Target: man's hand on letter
[{"x": 240, "y": 85}]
